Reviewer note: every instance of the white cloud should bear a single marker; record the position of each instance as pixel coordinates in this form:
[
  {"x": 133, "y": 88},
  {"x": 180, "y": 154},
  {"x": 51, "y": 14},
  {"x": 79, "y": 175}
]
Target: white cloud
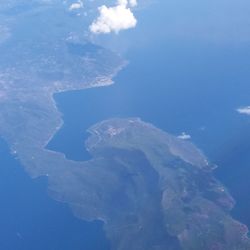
[
  {"x": 75, "y": 6},
  {"x": 184, "y": 136},
  {"x": 133, "y": 3},
  {"x": 244, "y": 110},
  {"x": 122, "y": 2},
  {"x": 115, "y": 19}
]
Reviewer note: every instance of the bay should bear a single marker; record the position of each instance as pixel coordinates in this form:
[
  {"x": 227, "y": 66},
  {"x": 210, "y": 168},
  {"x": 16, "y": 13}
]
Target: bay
[{"x": 193, "y": 88}]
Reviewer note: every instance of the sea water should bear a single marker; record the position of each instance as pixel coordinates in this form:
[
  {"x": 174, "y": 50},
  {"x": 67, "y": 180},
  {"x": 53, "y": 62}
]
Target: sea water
[
  {"x": 30, "y": 220},
  {"x": 191, "y": 88}
]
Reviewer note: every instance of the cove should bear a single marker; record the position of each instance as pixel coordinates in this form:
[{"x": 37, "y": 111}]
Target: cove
[{"x": 177, "y": 87}]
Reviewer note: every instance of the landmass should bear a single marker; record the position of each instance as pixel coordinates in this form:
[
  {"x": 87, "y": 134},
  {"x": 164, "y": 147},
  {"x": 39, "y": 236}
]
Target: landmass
[{"x": 152, "y": 191}]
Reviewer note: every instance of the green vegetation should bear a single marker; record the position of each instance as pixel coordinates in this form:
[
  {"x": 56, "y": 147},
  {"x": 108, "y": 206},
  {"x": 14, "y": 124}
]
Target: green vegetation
[{"x": 151, "y": 190}]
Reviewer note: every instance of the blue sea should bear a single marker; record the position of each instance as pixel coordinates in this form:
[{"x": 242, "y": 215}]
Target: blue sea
[
  {"x": 30, "y": 220},
  {"x": 180, "y": 82},
  {"x": 179, "y": 85}
]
